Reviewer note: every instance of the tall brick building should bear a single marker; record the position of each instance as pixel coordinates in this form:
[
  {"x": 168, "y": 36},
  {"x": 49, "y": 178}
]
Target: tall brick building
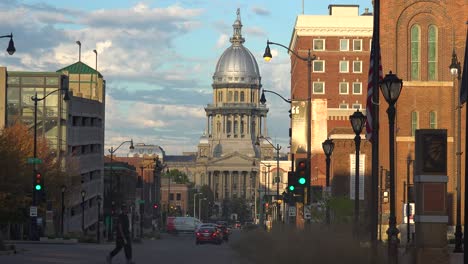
[{"x": 417, "y": 40}]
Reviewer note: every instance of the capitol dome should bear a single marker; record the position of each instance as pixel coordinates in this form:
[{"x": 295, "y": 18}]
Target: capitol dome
[{"x": 237, "y": 64}]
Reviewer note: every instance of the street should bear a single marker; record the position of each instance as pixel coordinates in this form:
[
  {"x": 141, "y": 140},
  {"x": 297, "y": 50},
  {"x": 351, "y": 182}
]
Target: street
[{"x": 169, "y": 249}]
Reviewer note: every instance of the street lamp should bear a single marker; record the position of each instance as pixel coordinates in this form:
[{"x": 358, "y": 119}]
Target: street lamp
[
  {"x": 277, "y": 178},
  {"x": 63, "y": 207},
  {"x": 358, "y": 120},
  {"x": 455, "y": 71},
  {"x": 99, "y": 199},
  {"x": 391, "y": 87},
  {"x": 199, "y": 206},
  {"x": 328, "y": 145},
  {"x": 267, "y": 56},
  {"x": 11, "y": 45},
  {"x": 83, "y": 194},
  {"x": 36, "y": 99},
  {"x": 194, "y": 203},
  {"x": 111, "y": 187}
]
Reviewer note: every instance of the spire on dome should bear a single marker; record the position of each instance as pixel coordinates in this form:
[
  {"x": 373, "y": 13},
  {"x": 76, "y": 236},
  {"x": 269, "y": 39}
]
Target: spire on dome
[{"x": 237, "y": 38}]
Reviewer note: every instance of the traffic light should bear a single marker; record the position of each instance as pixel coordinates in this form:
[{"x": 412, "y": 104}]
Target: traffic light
[
  {"x": 302, "y": 173},
  {"x": 291, "y": 182},
  {"x": 38, "y": 181},
  {"x": 155, "y": 206}
]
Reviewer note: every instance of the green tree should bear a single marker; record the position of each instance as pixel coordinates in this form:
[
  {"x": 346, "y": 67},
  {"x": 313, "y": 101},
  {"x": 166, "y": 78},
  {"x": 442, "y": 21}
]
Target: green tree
[
  {"x": 178, "y": 176},
  {"x": 239, "y": 206}
]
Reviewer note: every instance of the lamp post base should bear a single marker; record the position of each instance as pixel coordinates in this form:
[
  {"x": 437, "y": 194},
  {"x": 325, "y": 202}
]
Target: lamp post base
[
  {"x": 393, "y": 242},
  {"x": 458, "y": 240}
]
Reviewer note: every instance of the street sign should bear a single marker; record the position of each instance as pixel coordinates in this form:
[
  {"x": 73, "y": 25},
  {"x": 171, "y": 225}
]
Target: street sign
[
  {"x": 141, "y": 201},
  {"x": 307, "y": 214},
  {"x": 33, "y": 211},
  {"x": 34, "y": 161},
  {"x": 292, "y": 211}
]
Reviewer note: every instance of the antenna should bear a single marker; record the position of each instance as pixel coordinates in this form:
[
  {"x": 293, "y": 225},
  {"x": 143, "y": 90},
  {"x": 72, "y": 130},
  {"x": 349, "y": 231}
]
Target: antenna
[{"x": 302, "y": 6}]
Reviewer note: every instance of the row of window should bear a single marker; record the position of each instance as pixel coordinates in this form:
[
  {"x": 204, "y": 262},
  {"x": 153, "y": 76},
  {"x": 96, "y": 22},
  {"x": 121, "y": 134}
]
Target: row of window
[
  {"x": 86, "y": 121},
  {"x": 178, "y": 196},
  {"x": 345, "y": 45},
  {"x": 236, "y": 96},
  {"x": 343, "y": 87},
  {"x": 415, "y": 121},
  {"x": 319, "y": 66},
  {"x": 429, "y": 50},
  {"x": 85, "y": 149}
]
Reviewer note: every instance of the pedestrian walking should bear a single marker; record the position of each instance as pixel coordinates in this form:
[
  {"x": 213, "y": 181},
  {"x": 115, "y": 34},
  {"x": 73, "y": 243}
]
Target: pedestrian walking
[{"x": 122, "y": 237}]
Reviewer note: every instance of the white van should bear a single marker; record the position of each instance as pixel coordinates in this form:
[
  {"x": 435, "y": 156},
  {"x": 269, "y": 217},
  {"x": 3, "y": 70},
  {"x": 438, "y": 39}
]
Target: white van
[{"x": 182, "y": 224}]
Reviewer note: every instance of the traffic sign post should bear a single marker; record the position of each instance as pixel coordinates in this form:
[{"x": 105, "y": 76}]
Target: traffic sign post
[
  {"x": 33, "y": 211},
  {"x": 34, "y": 161}
]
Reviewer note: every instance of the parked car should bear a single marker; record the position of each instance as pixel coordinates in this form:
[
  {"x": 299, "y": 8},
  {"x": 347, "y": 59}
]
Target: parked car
[
  {"x": 182, "y": 224},
  {"x": 208, "y": 234}
]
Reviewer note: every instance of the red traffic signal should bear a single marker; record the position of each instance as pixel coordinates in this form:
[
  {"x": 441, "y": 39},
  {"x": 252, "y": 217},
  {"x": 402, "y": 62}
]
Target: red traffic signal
[{"x": 155, "y": 206}]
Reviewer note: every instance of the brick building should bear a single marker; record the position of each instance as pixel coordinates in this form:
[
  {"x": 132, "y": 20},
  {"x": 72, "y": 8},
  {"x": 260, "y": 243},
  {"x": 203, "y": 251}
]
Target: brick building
[{"x": 417, "y": 40}]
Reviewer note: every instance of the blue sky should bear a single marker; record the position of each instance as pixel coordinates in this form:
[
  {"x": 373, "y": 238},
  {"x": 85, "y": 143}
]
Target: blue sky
[{"x": 158, "y": 57}]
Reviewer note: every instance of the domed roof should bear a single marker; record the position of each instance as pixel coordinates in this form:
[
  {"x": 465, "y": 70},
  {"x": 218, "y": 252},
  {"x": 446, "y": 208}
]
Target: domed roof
[
  {"x": 237, "y": 64},
  {"x": 204, "y": 139}
]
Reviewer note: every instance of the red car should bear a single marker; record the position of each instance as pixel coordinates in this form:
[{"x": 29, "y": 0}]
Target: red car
[{"x": 208, "y": 235}]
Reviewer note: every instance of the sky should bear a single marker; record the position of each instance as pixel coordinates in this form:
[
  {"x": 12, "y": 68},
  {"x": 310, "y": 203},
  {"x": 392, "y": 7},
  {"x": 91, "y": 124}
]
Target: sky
[{"x": 158, "y": 57}]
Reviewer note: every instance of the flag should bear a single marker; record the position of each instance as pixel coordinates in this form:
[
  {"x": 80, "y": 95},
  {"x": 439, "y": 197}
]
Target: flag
[
  {"x": 464, "y": 81},
  {"x": 370, "y": 92}
]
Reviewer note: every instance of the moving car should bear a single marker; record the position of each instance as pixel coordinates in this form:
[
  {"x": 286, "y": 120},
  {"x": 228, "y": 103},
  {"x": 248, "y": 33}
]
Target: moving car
[
  {"x": 182, "y": 224},
  {"x": 208, "y": 234}
]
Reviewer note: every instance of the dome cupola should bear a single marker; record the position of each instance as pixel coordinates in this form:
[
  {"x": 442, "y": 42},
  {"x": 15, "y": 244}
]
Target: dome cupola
[{"x": 237, "y": 65}]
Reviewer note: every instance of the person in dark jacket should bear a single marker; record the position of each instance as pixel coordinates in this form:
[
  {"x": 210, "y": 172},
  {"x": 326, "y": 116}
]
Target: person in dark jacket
[{"x": 122, "y": 237}]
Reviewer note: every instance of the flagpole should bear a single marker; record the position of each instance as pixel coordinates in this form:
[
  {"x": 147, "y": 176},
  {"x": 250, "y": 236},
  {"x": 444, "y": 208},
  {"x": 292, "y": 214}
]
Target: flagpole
[{"x": 375, "y": 125}]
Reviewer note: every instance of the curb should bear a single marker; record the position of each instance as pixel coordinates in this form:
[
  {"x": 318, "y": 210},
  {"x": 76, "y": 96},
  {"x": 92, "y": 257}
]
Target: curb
[
  {"x": 46, "y": 241},
  {"x": 7, "y": 252}
]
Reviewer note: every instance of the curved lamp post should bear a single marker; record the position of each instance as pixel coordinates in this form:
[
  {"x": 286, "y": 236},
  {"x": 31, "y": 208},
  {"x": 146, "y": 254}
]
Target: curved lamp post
[
  {"x": 99, "y": 199},
  {"x": 391, "y": 87},
  {"x": 267, "y": 56},
  {"x": 455, "y": 71},
  {"x": 83, "y": 195},
  {"x": 11, "y": 45},
  {"x": 277, "y": 178},
  {"x": 194, "y": 203},
  {"x": 358, "y": 120},
  {"x": 111, "y": 187},
  {"x": 328, "y": 145},
  {"x": 36, "y": 99}
]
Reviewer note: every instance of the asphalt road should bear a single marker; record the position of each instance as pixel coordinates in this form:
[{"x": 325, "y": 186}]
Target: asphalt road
[{"x": 169, "y": 249}]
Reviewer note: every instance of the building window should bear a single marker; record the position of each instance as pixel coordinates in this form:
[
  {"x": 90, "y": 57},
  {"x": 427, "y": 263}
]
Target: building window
[
  {"x": 171, "y": 197},
  {"x": 242, "y": 97},
  {"x": 357, "y": 44},
  {"x": 319, "y": 66},
  {"x": 344, "y": 44},
  {"x": 236, "y": 127},
  {"x": 319, "y": 44},
  {"x": 344, "y": 66},
  {"x": 319, "y": 88},
  {"x": 229, "y": 96},
  {"x": 228, "y": 128},
  {"x": 178, "y": 197},
  {"x": 433, "y": 119},
  {"x": 242, "y": 126},
  {"x": 432, "y": 53},
  {"x": 343, "y": 106},
  {"x": 414, "y": 122},
  {"x": 236, "y": 96},
  {"x": 357, "y": 106},
  {"x": 357, "y": 88},
  {"x": 415, "y": 52},
  {"x": 344, "y": 89},
  {"x": 357, "y": 66}
]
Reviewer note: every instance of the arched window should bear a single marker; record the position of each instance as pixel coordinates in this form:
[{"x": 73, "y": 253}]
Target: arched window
[
  {"x": 432, "y": 53},
  {"x": 220, "y": 96},
  {"x": 229, "y": 125},
  {"x": 414, "y": 122},
  {"x": 433, "y": 119},
  {"x": 236, "y": 96},
  {"x": 242, "y": 96},
  {"x": 242, "y": 126},
  {"x": 415, "y": 52},
  {"x": 236, "y": 127}
]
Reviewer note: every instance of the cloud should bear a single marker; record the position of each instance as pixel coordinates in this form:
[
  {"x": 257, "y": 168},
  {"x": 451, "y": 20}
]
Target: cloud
[
  {"x": 222, "y": 41},
  {"x": 260, "y": 11},
  {"x": 255, "y": 32}
]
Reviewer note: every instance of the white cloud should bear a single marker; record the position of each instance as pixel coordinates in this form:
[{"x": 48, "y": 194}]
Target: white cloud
[{"x": 222, "y": 41}]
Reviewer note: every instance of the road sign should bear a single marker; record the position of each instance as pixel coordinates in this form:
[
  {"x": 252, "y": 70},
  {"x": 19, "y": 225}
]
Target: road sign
[
  {"x": 141, "y": 201},
  {"x": 33, "y": 211},
  {"x": 34, "y": 161},
  {"x": 292, "y": 211},
  {"x": 307, "y": 214}
]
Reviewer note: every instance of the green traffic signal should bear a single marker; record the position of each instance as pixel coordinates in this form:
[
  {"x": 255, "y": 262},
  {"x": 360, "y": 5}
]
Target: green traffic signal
[
  {"x": 291, "y": 188},
  {"x": 302, "y": 180},
  {"x": 38, "y": 187}
]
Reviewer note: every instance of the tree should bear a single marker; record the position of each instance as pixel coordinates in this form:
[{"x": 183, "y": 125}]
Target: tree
[
  {"x": 178, "y": 176},
  {"x": 240, "y": 207}
]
